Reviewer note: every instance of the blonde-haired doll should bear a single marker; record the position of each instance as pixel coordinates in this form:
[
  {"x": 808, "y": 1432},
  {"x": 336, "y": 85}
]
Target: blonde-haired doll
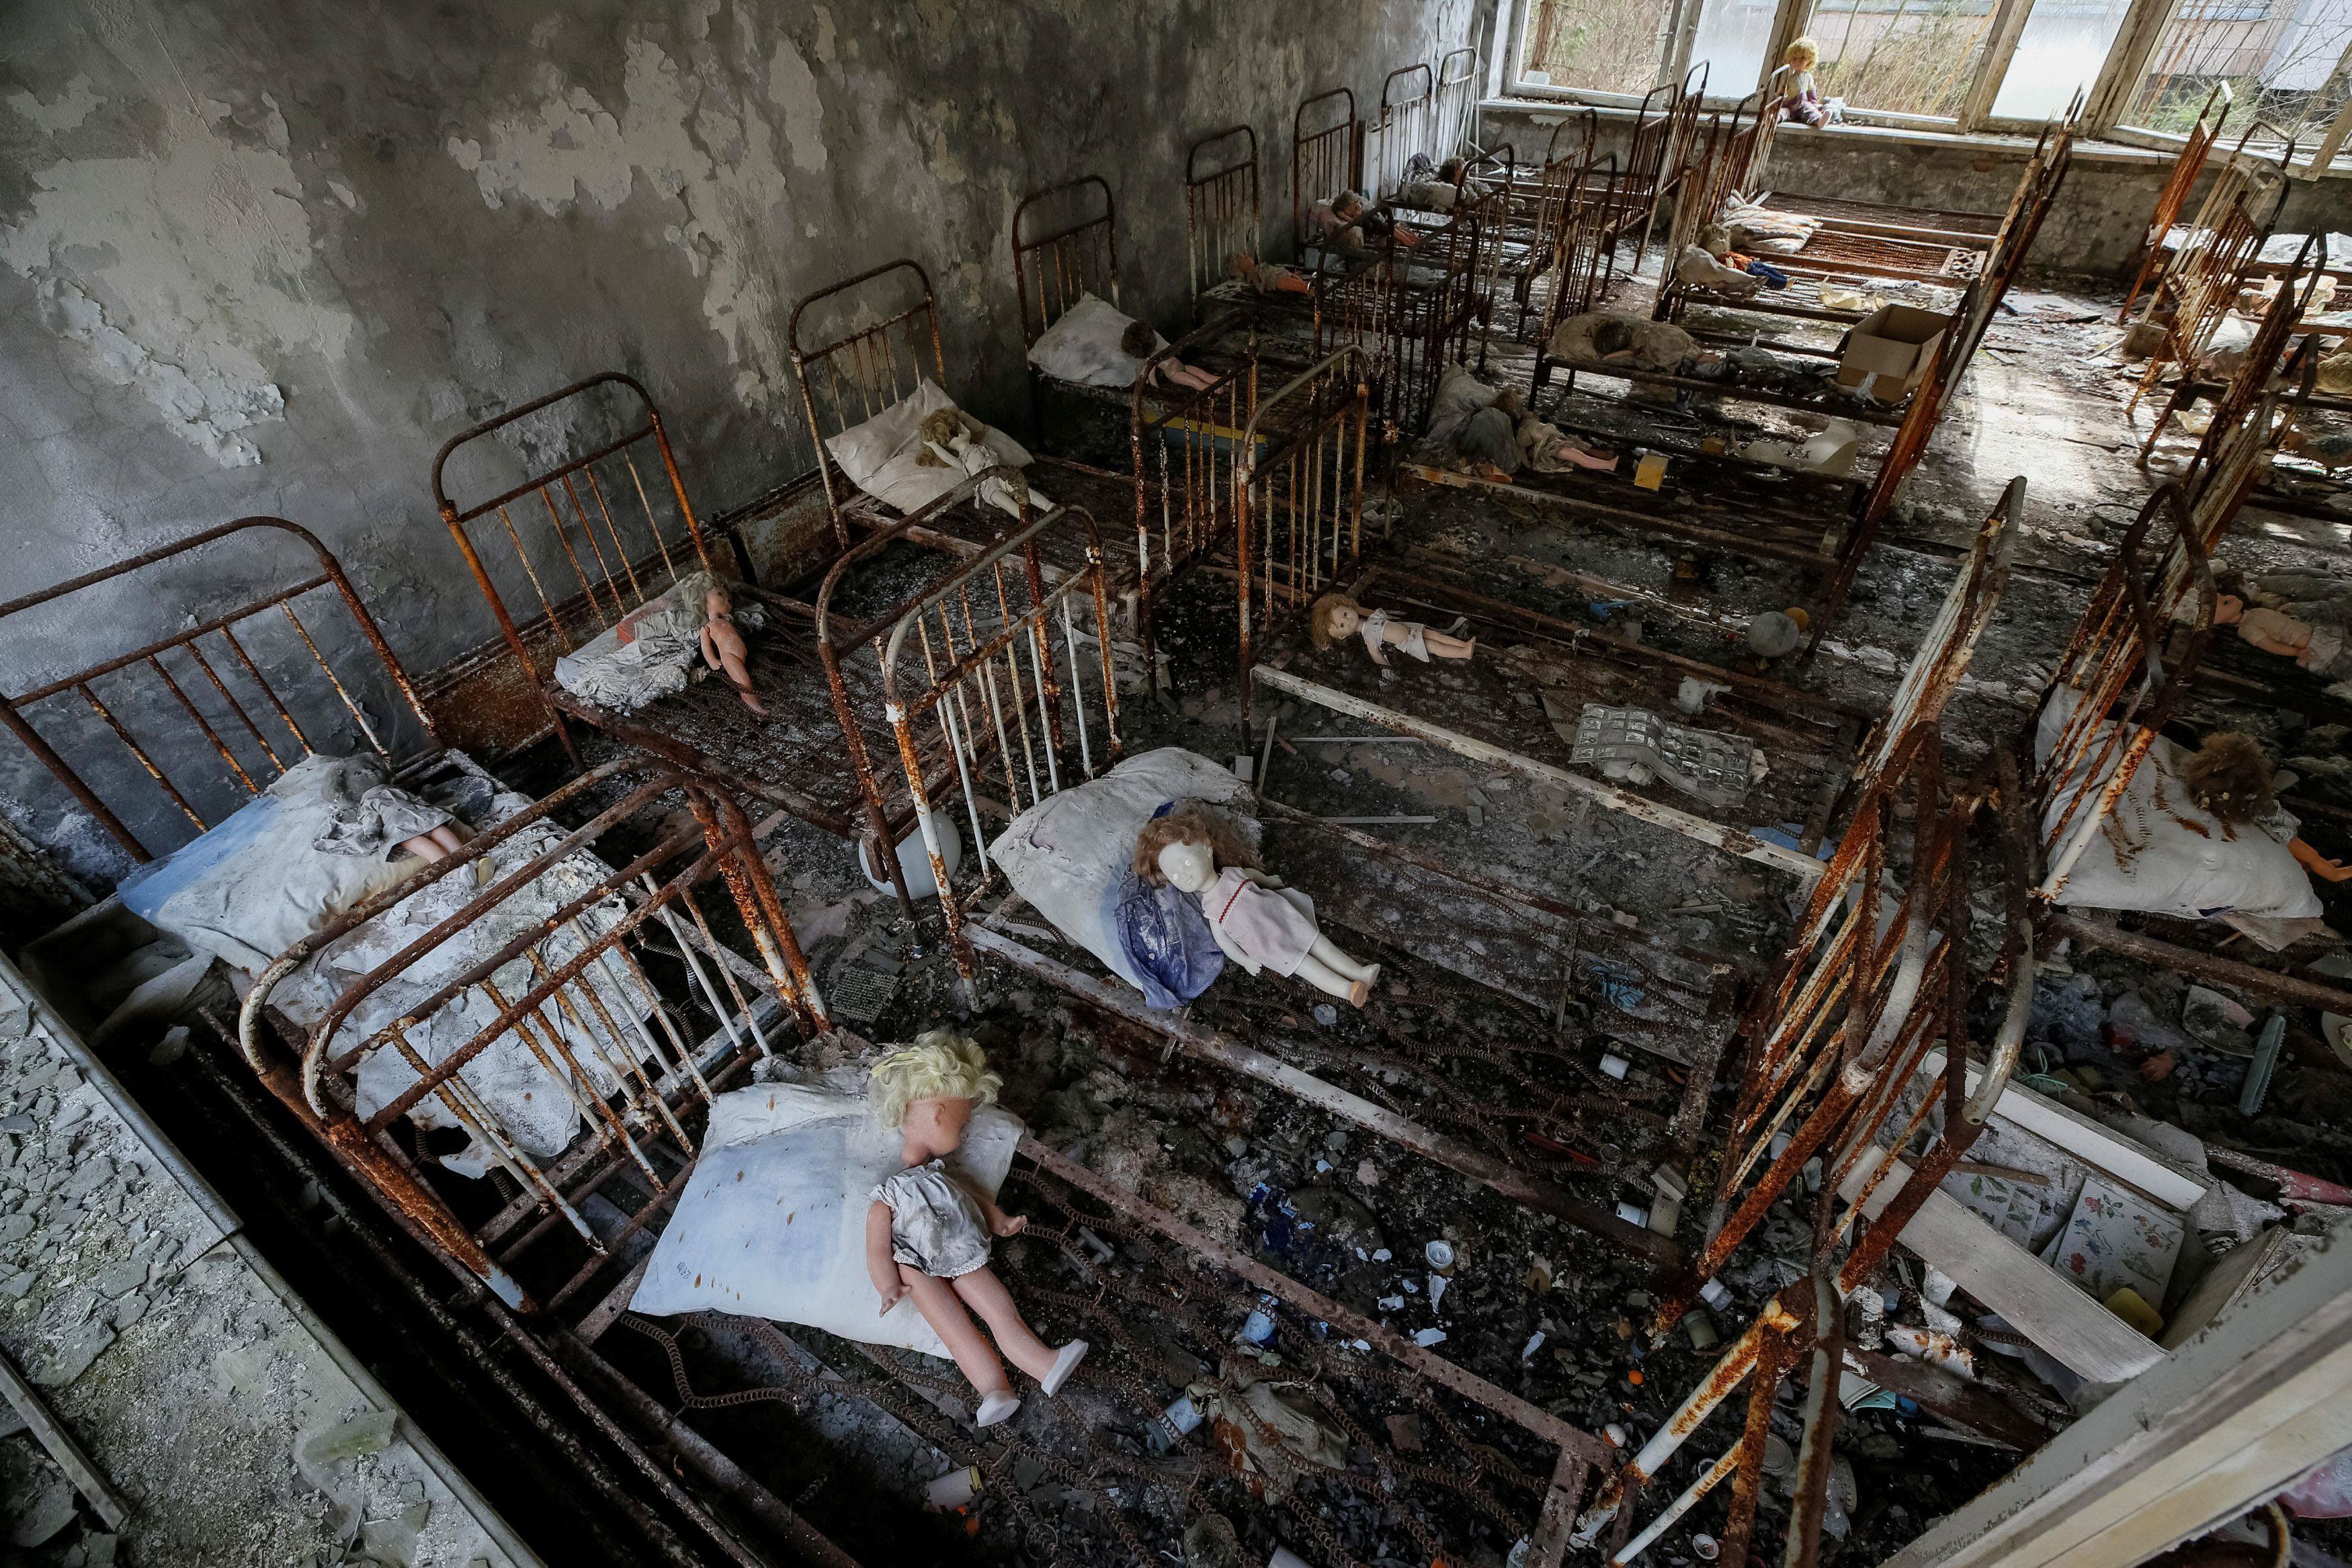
[
  {"x": 928, "y": 1231},
  {"x": 1802, "y": 99}
]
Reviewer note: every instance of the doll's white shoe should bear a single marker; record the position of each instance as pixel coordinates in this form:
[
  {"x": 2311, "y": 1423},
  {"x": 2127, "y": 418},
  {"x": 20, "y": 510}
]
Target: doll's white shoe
[
  {"x": 996, "y": 1407},
  {"x": 1065, "y": 1362}
]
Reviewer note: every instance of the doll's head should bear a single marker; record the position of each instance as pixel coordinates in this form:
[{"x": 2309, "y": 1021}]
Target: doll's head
[
  {"x": 1450, "y": 172},
  {"x": 1335, "y": 616},
  {"x": 929, "y": 1089},
  {"x": 2230, "y": 596},
  {"x": 1194, "y": 832},
  {"x": 2229, "y": 777},
  {"x": 1348, "y": 205},
  {"x": 1611, "y": 335},
  {"x": 1138, "y": 341},
  {"x": 1802, "y": 54}
]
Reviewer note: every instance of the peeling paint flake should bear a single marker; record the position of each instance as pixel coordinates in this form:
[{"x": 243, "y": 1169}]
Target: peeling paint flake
[
  {"x": 65, "y": 112},
  {"x": 183, "y": 272},
  {"x": 690, "y": 129}
]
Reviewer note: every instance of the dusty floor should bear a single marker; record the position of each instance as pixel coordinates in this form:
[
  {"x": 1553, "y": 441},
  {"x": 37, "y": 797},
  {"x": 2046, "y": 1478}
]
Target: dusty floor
[
  {"x": 230, "y": 1421},
  {"x": 1653, "y": 937}
]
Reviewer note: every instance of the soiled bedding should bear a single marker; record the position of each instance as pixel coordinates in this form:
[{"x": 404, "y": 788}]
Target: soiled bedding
[
  {"x": 888, "y": 459},
  {"x": 660, "y": 658},
  {"x": 249, "y": 889},
  {"x": 1071, "y": 856}
]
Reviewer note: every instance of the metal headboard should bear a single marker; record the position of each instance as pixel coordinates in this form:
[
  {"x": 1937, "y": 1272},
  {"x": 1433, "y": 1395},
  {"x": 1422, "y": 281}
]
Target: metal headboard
[
  {"x": 204, "y": 698},
  {"x": 849, "y": 378},
  {"x": 638, "y": 554},
  {"x": 1051, "y": 270},
  {"x": 1224, "y": 212}
]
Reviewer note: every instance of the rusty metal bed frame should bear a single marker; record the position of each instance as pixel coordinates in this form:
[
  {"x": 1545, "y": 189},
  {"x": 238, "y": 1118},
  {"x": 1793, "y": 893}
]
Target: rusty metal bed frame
[
  {"x": 806, "y": 756},
  {"x": 237, "y": 757},
  {"x": 1407, "y": 127},
  {"x": 1862, "y": 1030},
  {"x": 2261, "y": 363},
  {"x": 1224, "y": 214},
  {"x": 1054, "y": 270},
  {"x": 2195, "y": 147},
  {"x": 1866, "y": 1033},
  {"x": 1324, "y": 161},
  {"x": 249, "y": 705},
  {"x": 2135, "y": 657},
  {"x": 2198, "y": 282},
  {"x": 672, "y": 535}
]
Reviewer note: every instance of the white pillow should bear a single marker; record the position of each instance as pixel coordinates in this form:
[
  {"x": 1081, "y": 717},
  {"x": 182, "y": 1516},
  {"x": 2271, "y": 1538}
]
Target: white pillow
[
  {"x": 772, "y": 1222},
  {"x": 863, "y": 449},
  {"x": 883, "y": 455},
  {"x": 1065, "y": 851},
  {"x": 1083, "y": 347},
  {"x": 2181, "y": 871}
]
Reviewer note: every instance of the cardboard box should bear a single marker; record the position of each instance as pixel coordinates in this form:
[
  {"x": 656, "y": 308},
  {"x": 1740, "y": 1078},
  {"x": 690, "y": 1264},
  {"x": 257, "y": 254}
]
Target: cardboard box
[{"x": 1894, "y": 344}]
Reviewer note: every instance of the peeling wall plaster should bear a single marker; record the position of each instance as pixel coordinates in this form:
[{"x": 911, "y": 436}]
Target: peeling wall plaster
[
  {"x": 182, "y": 271},
  {"x": 264, "y": 255}
]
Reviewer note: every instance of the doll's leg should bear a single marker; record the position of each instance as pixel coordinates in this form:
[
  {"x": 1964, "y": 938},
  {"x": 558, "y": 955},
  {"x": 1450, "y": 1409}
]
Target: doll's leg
[
  {"x": 1583, "y": 459},
  {"x": 1333, "y": 957},
  {"x": 740, "y": 677},
  {"x": 1356, "y": 989},
  {"x": 1442, "y": 646},
  {"x": 431, "y": 846},
  {"x": 943, "y": 1309},
  {"x": 984, "y": 1293}
]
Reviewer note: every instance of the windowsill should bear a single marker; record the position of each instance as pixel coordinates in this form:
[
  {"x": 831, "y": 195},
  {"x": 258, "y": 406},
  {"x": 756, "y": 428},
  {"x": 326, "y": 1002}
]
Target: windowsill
[{"x": 1992, "y": 142}]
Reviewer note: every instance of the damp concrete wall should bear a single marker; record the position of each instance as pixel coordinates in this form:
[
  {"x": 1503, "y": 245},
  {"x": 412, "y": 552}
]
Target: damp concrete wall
[
  {"x": 2094, "y": 231},
  {"x": 264, "y": 255}
]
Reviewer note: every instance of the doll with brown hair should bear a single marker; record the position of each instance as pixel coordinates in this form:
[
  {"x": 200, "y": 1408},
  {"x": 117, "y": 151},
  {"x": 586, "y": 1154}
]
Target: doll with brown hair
[
  {"x": 2316, "y": 633},
  {"x": 927, "y": 1229},
  {"x": 1257, "y": 922},
  {"x": 1335, "y": 615},
  {"x": 2230, "y": 778}
]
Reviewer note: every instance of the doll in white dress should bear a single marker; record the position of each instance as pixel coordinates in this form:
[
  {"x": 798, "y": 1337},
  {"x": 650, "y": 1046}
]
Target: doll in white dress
[
  {"x": 927, "y": 1231},
  {"x": 1336, "y": 616},
  {"x": 1257, "y": 922}
]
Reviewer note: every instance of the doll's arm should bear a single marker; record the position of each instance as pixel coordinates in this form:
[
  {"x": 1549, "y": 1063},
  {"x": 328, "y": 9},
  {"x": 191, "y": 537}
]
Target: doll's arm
[
  {"x": 999, "y": 1222},
  {"x": 880, "y": 1266},
  {"x": 2316, "y": 864}
]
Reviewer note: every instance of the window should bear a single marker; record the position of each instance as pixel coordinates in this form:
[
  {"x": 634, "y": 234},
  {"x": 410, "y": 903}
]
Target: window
[
  {"x": 2059, "y": 53},
  {"x": 2283, "y": 60},
  {"x": 1732, "y": 36},
  {"x": 1901, "y": 56},
  {"x": 1596, "y": 45},
  {"x": 2147, "y": 64}
]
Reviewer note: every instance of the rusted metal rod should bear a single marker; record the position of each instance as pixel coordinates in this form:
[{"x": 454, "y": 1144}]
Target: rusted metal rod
[{"x": 2205, "y": 966}]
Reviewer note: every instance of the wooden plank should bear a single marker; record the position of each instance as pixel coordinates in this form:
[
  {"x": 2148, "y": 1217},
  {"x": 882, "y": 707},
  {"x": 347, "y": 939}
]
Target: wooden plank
[
  {"x": 1732, "y": 841},
  {"x": 2063, "y": 1323}
]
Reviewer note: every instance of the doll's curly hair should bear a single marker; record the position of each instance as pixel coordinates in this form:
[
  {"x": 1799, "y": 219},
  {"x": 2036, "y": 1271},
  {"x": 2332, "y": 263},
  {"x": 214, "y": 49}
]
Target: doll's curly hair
[
  {"x": 2229, "y": 777},
  {"x": 1318, "y": 618},
  {"x": 939, "y": 1065},
  {"x": 1191, "y": 822}
]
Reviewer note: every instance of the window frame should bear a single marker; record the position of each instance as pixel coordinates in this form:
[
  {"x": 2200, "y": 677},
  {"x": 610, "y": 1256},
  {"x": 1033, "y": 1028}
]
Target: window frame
[{"x": 2103, "y": 102}]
